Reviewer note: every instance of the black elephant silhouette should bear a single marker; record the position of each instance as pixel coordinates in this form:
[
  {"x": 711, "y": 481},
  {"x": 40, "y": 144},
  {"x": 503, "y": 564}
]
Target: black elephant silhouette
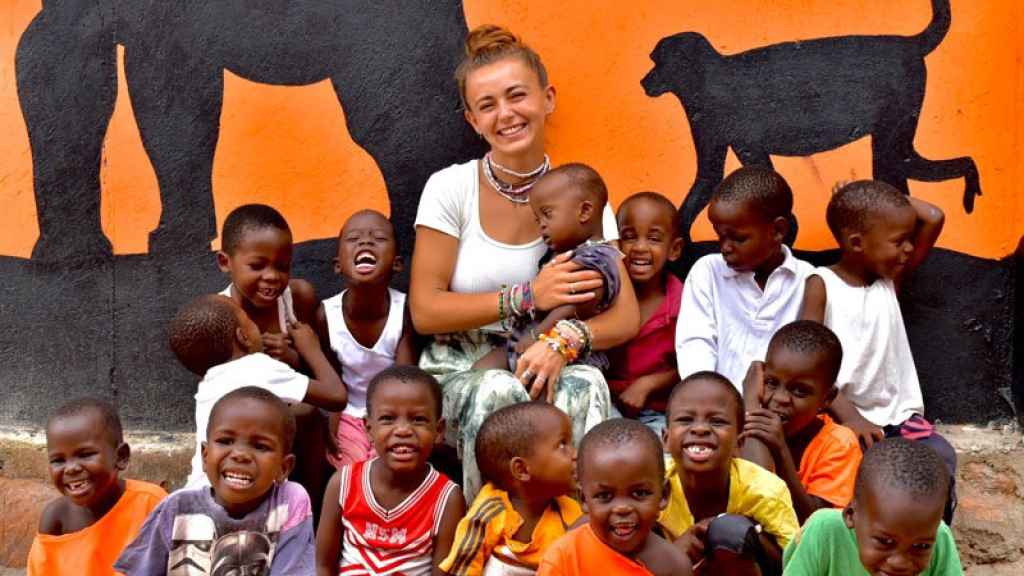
[
  {"x": 391, "y": 65},
  {"x": 799, "y": 98}
]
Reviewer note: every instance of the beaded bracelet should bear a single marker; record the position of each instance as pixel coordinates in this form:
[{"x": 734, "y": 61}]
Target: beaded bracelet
[
  {"x": 558, "y": 344},
  {"x": 502, "y": 314},
  {"x": 585, "y": 334},
  {"x": 520, "y": 301}
]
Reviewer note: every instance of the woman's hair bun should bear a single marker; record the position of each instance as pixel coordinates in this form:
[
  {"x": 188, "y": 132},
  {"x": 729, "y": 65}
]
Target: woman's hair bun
[{"x": 490, "y": 38}]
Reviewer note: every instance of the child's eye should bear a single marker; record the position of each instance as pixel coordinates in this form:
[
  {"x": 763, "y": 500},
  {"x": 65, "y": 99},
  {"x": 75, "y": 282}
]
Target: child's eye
[
  {"x": 884, "y": 542},
  {"x": 603, "y": 496},
  {"x": 56, "y": 461},
  {"x": 516, "y": 96},
  {"x": 641, "y": 493},
  {"x": 720, "y": 422},
  {"x": 654, "y": 237},
  {"x": 771, "y": 383},
  {"x": 684, "y": 419}
]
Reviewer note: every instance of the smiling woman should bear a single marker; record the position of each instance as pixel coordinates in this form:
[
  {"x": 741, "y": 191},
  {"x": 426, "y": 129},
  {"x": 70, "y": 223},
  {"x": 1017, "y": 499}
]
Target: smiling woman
[{"x": 476, "y": 258}]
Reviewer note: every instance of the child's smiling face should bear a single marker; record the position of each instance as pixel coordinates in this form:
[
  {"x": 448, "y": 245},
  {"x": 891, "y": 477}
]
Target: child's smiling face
[
  {"x": 244, "y": 453},
  {"x": 888, "y": 242},
  {"x": 260, "y": 265},
  {"x": 366, "y": 249},
  {"x": 647, "y": 238},
  {"x": 83, "y": 458},
  {"x": 404, "y": 425},
  {"x": 895, "y": 531},
  {"x": 702, "y": 426},
  {"x": 797, "y": 386},
  {"x": 623, "y": 492}
]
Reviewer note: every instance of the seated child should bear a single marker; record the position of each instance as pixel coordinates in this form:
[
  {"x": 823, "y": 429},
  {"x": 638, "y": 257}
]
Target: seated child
[
  {"x": 250, "y": 519},
  {"x": 643, "y": 371},
  {"x": 705, "y": 415},
  {"x": 622, "y": 478},
  {"x": 98, "y": 513},
  {"x": 883, "y": 236},
  {"x": 786, "y": 428},
  {"x": 568, "y": 202},
  {"x": 527, "y": 454},
  {"x": 734, "y": 301},
  {"x": 893, "y": 526},
  {"x": 215, "y": 339},
  {"x": 393, "y": 514},
  {"x": 366, "y": 326}
]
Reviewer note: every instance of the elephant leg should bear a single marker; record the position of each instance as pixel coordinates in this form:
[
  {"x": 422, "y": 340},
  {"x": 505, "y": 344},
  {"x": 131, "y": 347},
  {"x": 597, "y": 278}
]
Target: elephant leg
[
  {"x": 177, "y": 100},
  {"x": 66, "y": 68}
]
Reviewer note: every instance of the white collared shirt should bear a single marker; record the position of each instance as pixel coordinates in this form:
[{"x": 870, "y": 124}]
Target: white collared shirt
[{"x": 726, "y": 320}]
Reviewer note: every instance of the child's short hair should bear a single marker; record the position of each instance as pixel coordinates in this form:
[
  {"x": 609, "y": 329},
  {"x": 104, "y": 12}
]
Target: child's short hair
[
  {"x": 764, "y": 189},
  {"x": 105, "y": 410},
  {"x": 267, "y": 397},
  {"x": 712, "y": 377},
  {"x": 202, "y": 334},
  {"x": 249, "y": 217},
  {"x": 615, "y": 433},
  {"x": 507, "y": 433},
  {"x": 412, "y": 374},
  {"x": 658, "y": 199},
  {"x": 808, "y": 337},
  {"x": 586, "y": 180},
  {"x": 853, "y": 206},
  {"x": 912, "y": 468}
]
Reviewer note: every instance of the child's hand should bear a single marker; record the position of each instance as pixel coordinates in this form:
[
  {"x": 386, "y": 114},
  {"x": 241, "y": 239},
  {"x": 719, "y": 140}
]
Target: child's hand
[
  {"x": 525, "y": 342},
  {"x": 866, "y": 432},
  {"x": 692, "y": 541},
  {"x": 753, "y": 386},
  {"x": 305, "y": 339},
  {"x": 279, "y": 346},
  {"x": 633, "y": 399},
  {"x": 766, "y": 426}
]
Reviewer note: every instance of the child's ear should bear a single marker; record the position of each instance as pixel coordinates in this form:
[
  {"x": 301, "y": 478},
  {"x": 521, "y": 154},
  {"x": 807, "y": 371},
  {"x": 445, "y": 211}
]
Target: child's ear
[
  {"x": 243, "y": 339},
  {"x": 675, "y": 249},
  {"x": 124, "y": 454},
  {"x": 829, "y": 398},
  {"x": 781, "y": 228},
  {"x": 202, "y": 453},
  {"x": 666, "y": 493},
  {"x": 664, "y": 440},
  {"x": 337, "y": 265},
  {"x": 397, "y": 265},
  {"x": 287, "y": 465},
  {"x": 585, "y": 211},
  {"x": 856, "y": 242},
  {"x": 518, "y": 469},
  {"x": 442, "y": 425},
  {"x": 367, "y": 425},
  {"x": 224, "y": 261},
  {"x": 848, "y": 516}
]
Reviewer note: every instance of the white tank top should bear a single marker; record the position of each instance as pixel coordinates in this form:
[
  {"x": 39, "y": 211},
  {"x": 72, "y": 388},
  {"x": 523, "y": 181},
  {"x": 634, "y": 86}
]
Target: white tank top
[
  {"x": 360, "y": 364},
  {"x": 285, "y": 309},
  {"x": 878, "y": 374}
]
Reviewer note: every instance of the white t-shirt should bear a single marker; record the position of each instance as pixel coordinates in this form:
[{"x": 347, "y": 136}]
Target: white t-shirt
[
  {"x": 451, "y": 204},
  {"x": 360, "y": 364},
  {"x": 878, "y": 374},
  {"x": 252, "y": 370},
  {"x": 726, "y": 320}
]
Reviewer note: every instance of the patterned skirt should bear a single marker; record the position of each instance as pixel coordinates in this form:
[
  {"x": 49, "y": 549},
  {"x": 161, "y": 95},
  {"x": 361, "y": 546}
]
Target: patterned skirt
[{"x": 471, "y": 395}]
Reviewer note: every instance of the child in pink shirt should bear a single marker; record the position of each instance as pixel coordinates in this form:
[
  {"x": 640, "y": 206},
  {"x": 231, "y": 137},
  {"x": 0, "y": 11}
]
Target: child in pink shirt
[{"x": 644, "y": 369}]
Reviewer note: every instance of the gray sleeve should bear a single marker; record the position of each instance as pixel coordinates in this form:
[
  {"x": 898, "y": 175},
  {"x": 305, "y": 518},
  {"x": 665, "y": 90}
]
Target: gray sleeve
[{"x": 295, "y": 553}]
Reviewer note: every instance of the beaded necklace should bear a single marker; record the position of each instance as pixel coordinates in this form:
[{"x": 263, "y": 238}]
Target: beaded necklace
[{"x": 517, "y": 194}]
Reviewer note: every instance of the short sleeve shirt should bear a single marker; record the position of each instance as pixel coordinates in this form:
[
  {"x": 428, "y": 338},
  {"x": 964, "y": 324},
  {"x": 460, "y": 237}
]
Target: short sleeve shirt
[{"x": 828, "y": 467}]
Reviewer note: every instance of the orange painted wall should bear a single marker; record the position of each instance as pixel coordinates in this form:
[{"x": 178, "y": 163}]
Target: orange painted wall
[{"x": 288, "y": 146}]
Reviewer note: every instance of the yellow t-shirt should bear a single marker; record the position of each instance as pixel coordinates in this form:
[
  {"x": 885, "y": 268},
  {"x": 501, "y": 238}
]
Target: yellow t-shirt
[
  {"x": 753, "y": 492},
  {"x": 485, "y": 534}
]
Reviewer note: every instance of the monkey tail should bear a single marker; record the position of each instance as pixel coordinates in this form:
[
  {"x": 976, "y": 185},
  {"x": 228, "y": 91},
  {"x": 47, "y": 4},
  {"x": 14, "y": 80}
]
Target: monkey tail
[{"x": 930, "y": 38}]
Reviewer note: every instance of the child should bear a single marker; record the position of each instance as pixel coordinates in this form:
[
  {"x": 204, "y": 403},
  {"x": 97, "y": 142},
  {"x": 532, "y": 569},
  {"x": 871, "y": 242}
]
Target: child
[
  {"x": 256, "y": 253},
  {"x": 395, "y": 513},
  {"x": 215, "y": 339},
  {"x": 644, "y": 370},
  {"x": 366, "y": 326},
  {"x": 893, "y": 526},
  {"x": 734, "y": 301},
  {"x": 98, "y": 512},
  {"x": 622, "y": 478},
  {"x": 883, "y": 236},
  {"x": 705, "y": 414},
  {"x": 786, "y": 428},
  {"x": 567, "y": 202},
  {"x": 527, "y": 454},
  {"x": 250, "y": 519}
]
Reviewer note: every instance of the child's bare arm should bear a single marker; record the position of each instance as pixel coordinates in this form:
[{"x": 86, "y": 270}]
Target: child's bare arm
[
  {"x": 752, "y": 447},
  {"x": 496, "y": 359},
  {"x": 406, "y": 353},
  {"x": 634, "y": 398},
  {"x": 50, "y": 521},
  {"x": 320, "y": 326},
  {"x": 847, "y": 414},
  {"x": 772, "y": 552},
  {"x": 930, "y": 220},
  {"x": 815, "y": 298},
  {"x": 326, "y": 389},
  {"x": 454, "y": 510},
  {"x": 329, "y": 532}
]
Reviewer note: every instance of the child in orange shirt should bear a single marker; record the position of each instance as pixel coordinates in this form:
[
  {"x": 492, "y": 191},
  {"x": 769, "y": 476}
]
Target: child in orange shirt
[
  {"x": 98, "y": 513},
  {"x": 786, "y": 426},
  {"x": 622, "y": 477}
]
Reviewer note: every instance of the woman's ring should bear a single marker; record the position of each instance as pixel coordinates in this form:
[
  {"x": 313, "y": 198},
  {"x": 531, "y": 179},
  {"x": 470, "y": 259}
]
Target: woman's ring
[
  {"x": 572, "y": 287},
  {"x": 527, "y": 375}
]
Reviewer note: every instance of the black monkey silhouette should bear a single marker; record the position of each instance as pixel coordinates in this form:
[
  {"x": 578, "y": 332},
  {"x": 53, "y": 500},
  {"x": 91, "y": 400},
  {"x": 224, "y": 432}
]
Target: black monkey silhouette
[
  {"x": 799, "y": 98},
  {"x": 391, "y": 65}
]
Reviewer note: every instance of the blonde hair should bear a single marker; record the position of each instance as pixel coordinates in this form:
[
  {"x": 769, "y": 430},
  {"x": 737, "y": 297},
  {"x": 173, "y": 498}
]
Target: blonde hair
[{"x": 487, "y": 44}]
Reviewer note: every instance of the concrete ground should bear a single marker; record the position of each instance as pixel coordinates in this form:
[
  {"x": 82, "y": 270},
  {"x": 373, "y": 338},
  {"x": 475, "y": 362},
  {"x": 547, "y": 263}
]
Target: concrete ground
[{"x": 987, "y": 527}]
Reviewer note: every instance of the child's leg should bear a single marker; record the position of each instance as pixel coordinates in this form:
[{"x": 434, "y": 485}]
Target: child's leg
[
  {"x": 496, "y": 359},
  {"x": 353, "y": 442}
]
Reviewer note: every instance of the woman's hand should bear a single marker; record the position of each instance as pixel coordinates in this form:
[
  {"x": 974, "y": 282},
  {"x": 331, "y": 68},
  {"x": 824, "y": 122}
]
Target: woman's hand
[
  {"x": 562, "y": 281},
  {"x": 539, "y": 369}
]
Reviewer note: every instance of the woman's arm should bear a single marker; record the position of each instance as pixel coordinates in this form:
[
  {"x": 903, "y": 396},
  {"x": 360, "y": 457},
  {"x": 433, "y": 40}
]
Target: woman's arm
[
  {"x": 621, "y": 322},
  {"x": 437, "y": 310}
]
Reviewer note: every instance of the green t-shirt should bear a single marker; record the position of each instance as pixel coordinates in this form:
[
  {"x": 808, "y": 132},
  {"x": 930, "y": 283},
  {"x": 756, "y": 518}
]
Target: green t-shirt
[{"x": 826, "y": 547}]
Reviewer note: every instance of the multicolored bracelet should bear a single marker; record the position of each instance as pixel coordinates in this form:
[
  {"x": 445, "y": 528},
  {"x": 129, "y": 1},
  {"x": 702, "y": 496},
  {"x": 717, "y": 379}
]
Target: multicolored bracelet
[
  {"x": 520, "y": 299},
  {"x": 502, "y": 312},
  {"x": 558, "y": 343}
]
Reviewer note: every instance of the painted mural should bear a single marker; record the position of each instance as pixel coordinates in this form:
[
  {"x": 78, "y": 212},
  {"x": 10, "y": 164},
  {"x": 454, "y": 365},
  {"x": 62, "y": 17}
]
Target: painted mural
[{"x": 132, "y": 129}]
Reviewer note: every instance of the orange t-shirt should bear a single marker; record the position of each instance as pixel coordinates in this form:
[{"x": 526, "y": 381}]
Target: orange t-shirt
[
  {"x": 93, "y": 550},
  {"x": 580, "y": 551},
  {"x": 829, "y": 465}
]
